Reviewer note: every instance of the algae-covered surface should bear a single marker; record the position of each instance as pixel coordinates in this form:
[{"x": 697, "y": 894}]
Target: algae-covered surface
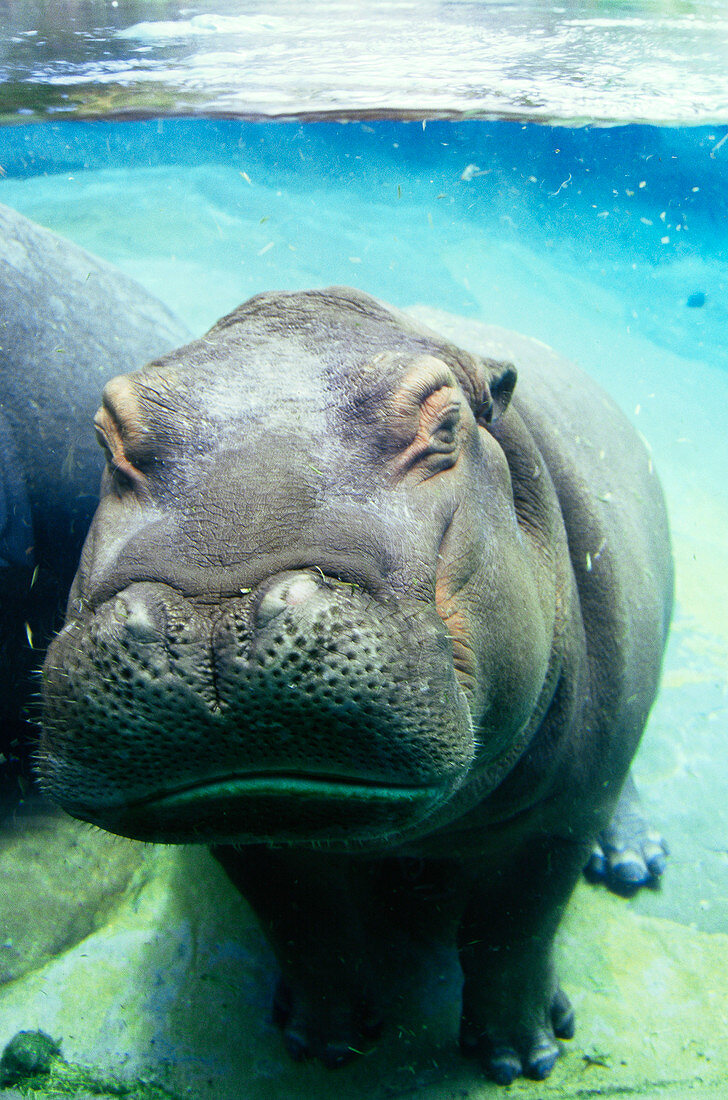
[{"x": 170, "y": 997}]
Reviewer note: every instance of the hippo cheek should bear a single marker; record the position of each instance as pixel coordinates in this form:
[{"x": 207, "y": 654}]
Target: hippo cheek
[
  {"x": 489, "y": 598},
  {"x": 306, "y": 712}
]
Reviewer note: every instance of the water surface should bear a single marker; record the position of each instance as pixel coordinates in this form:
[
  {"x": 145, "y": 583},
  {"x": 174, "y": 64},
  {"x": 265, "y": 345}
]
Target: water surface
[{"x": 576, "y": 61}]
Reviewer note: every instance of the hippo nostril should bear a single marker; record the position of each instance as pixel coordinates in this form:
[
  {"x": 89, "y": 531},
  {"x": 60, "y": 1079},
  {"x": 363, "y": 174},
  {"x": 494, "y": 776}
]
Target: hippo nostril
[
  {"x": 288, "y": 591},
  {"x": 137, "y": 618},
  {"x": 271, "y": 605},
  {"x": 301, "y": 588}
]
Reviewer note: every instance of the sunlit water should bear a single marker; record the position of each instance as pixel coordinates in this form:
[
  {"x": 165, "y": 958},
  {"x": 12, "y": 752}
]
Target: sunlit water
[{"x": 608, "y": 244}]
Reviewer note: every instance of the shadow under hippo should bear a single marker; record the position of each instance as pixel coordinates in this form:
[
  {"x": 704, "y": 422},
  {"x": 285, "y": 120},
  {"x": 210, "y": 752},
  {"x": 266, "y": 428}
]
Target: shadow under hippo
[{"x": 384, "y": 629}]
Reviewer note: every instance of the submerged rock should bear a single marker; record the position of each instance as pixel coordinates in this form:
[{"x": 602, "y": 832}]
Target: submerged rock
[{"x": 28, "y": 1054}]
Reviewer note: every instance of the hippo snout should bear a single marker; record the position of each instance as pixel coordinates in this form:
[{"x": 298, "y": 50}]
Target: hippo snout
[{"x": 305, "y": 709}]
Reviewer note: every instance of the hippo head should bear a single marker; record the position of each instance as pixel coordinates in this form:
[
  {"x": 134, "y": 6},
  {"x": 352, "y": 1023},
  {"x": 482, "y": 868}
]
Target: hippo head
[{"x": 307, "y": 610}]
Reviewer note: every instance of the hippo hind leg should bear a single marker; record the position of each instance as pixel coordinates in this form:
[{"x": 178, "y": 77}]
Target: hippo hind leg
[{"x": 629, "y": 854}]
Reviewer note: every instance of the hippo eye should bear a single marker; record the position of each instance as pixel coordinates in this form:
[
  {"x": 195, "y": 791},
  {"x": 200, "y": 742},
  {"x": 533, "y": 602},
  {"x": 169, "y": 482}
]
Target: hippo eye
[
  {"x": 437, "y": 442},
  {"x": 444, "y": 433},
  {"x": 102, "y": 441},
  {"x": 105, "y": 447},
  {"x": 122, "y": 473}
]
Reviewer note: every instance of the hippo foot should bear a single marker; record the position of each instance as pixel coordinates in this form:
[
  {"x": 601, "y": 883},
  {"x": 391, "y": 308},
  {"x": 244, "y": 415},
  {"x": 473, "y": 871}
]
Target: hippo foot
[
  {"x": 629, "y": 854},
  {"x": 524, "y": 1045},
  {"x": 333, "y": 1033},
  {"x": 629, "y": 863}
]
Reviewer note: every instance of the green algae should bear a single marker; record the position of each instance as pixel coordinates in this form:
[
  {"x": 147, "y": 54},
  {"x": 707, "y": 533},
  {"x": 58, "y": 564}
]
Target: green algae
[
  {"x": 29, "y": 1054},
  {"x": 31, "y": 1062},
  {"x": 66, "y": 1079}
]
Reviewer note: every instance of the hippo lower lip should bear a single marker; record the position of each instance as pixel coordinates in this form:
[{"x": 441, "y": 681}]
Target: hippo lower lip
[
  {"x": 300, "y": 712},
  {"x": 284, "y": 808},
  {"x": 234, "y": 787}
]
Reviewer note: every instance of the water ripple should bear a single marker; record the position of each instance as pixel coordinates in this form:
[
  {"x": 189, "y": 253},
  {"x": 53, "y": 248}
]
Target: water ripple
[{"x": 583, "y": 60}]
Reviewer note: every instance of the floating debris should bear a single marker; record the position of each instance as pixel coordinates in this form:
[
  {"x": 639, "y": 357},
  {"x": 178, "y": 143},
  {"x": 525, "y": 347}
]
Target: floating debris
[{"x": 472, "y": 170}]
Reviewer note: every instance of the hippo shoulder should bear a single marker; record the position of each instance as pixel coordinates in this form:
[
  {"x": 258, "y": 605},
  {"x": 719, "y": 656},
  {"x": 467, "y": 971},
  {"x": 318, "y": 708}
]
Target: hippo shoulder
[{"x": 16, "y": 530}]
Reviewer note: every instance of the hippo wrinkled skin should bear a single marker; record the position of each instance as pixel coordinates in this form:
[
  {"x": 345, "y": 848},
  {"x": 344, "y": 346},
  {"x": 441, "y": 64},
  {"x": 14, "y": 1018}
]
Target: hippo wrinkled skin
[{"x": 382, "y": 631}]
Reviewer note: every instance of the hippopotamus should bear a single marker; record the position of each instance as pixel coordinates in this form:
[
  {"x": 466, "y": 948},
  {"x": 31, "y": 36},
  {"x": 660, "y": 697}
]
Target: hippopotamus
[
  {"x": 381, "y": 626},
  {"x": 68, "y": 323}
]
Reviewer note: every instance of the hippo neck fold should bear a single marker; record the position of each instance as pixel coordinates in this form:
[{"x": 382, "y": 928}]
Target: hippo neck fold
[{"x": 541, "y": 525}]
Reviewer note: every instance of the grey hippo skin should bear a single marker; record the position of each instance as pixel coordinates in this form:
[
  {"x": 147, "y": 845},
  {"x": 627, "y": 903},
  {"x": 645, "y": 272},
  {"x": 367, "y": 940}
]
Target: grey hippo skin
[
  {"x": 68, "y": 322},
  {"x": 383, "y": 632}
]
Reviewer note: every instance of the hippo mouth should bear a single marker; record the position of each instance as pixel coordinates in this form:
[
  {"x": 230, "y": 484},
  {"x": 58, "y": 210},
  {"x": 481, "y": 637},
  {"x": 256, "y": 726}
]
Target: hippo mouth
[
  {"x": 306, "y": 713},
  {"x": 309, "y": 810}
]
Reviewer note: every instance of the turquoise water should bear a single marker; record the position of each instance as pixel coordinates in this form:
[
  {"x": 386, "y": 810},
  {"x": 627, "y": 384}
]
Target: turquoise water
[
  {"x": 635, "y": 215},
  {"x": 609, "y": 244}
]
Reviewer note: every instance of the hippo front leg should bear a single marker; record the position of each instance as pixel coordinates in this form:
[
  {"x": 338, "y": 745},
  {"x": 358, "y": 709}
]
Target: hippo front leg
[
  {"x": 513, "y": 1007},
  {"x": 311, "y": 908}
]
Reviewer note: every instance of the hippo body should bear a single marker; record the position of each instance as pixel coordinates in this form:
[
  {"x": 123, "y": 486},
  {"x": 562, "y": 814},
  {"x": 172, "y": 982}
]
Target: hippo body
[
  {"x": 68, "y": 322},
  {"x": 383, "y": 630}
]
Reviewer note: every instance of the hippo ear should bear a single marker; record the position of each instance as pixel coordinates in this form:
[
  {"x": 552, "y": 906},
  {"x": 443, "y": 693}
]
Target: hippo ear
[{"x": 497, "y": 383}]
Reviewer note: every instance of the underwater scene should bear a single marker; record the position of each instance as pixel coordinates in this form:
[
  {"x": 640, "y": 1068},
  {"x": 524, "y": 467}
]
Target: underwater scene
[{"x": 372, "y": 612}]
